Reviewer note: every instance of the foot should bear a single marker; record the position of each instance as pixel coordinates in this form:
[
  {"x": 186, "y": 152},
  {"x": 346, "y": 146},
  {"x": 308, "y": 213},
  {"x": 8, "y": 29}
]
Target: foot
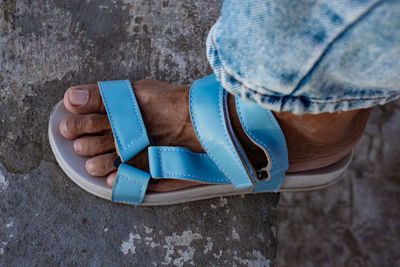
[
  {"x": 314, "y": 141},
  {"x": 165, "y": 111}
]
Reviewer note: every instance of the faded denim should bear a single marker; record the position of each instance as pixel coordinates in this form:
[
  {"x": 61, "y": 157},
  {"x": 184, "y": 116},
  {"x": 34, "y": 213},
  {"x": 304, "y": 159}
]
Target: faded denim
[{"x": 308, "y": 56}]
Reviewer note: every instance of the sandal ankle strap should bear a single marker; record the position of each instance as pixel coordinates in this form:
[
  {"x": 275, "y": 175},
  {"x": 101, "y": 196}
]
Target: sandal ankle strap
[{"x": 263, "y": 130}]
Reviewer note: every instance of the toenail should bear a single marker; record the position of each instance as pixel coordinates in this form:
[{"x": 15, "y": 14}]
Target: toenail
[
  {"x": 63, "y": 127},
  {"x": 78, "y": 96},
  {"x": 110, "y": 181},
  {"x": 90, "y": 167},
  {"x": 78, "y": 146}
]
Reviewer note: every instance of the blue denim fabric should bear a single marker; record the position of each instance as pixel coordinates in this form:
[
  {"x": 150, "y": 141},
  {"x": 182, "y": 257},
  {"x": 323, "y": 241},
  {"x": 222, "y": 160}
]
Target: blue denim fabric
[{"x": 308, "y": 56}]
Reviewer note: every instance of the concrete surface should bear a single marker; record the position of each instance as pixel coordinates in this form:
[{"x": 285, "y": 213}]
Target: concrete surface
[
  {"x": 357, "y": 221},
  {"x": 46, "y": 220}
]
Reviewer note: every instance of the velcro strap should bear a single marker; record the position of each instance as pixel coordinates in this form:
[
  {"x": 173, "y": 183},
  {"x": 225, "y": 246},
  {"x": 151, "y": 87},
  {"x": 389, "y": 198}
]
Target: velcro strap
[
  {"x": 125, "y": 118},
  {"x": 210, "y": 120},
  {"x": 261, "y": 126},
  {"x": 130, "y": 185},
  {"x": 182, "y": 163}
]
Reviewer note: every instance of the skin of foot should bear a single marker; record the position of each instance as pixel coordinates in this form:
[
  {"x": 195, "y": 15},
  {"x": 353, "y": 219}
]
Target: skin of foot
[{"x": 314, "y": 141}]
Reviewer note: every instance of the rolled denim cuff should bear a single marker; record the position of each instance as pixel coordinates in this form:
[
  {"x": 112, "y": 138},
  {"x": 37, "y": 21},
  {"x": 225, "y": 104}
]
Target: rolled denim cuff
[{"x": 277, "y": 101}]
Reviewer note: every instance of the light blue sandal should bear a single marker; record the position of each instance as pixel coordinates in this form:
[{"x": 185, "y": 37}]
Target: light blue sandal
[{"x": 223, "y": 170}]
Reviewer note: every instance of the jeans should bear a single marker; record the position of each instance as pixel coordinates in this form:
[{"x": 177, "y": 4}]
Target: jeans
[{"x": 308, "y": 56}]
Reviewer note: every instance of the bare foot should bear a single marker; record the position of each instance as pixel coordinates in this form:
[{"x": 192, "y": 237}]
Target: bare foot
[{"x": 314, "y": 141}]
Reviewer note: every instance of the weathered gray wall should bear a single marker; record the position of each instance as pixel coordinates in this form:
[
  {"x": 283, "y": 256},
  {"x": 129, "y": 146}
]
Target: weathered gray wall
[{"x": 47, "y": 46}]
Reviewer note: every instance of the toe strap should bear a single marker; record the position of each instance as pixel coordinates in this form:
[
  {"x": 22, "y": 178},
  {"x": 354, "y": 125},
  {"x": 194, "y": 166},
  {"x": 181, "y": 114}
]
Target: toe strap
[
  {"x": 125, "y": 118},
  {"x": 130, "y": 185}
]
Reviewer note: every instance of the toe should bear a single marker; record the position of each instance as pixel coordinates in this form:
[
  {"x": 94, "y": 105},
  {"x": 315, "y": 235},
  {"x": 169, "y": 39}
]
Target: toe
[
  {"x": 111, "y": 179},
  {"x": 78, "y": 125},
  {"x": 94, "y": 145},
  {"x": 101, "y": 165},
  {"x": 84, "y": 99}
]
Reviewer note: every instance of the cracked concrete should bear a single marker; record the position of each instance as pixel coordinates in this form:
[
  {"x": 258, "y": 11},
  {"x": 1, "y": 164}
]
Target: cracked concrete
[{"x": 47, "y": 46}]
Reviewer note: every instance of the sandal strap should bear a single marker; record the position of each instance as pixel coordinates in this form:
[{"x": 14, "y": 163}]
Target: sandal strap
[
  {"x": 182, "y": 163},
  {"x": 208, "y": 110},
  {"x": 130, "y": 137},
  {"x": 130, "y": 185},
  {"x": 225, "y": 161},
  {"x": 124, "y": 114},
  {"x": 262, "y": 128}
]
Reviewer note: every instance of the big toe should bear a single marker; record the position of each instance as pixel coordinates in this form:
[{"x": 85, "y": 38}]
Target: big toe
[{"x": 84, "y": 99}]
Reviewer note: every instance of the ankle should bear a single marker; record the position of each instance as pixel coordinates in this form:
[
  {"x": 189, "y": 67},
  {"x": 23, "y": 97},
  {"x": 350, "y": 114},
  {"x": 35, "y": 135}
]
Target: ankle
[
  {"x": 313, "y": 140},
  {"x": 319, "y": 140}
]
